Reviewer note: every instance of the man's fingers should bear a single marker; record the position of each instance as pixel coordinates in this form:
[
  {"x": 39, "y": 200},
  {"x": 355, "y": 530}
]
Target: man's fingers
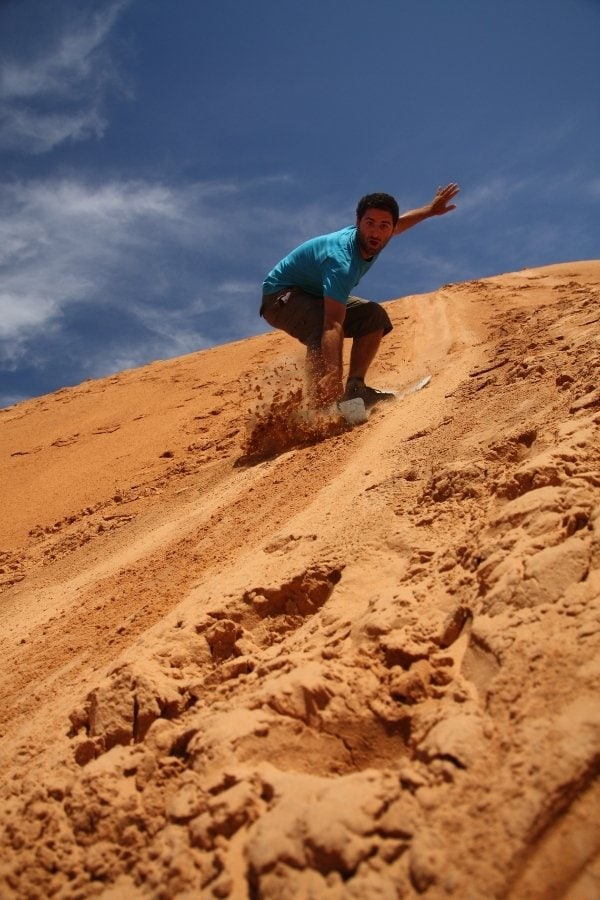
[
  {"x": 448, "y": 192},
  {"x": 443, "y": 196}
]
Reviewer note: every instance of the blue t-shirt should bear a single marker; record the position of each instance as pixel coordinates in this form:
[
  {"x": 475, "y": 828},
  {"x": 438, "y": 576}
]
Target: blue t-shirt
[{"x": 326, "y": 266}]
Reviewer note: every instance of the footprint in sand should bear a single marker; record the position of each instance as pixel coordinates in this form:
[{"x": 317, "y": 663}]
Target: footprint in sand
[
  {"x": 65, "y": 442},
  {"x": 26, "y": 452},
  {"x": 106, "y": 429},
  {"x": 288, "y": 542}
]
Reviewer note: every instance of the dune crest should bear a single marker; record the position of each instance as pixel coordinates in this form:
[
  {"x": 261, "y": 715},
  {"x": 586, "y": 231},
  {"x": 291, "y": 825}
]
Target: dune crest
[{"x": 362, "y": 664}]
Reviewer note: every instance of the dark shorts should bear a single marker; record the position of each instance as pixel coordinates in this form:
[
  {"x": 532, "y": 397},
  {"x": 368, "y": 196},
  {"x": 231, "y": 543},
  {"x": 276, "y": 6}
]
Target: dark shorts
[{"x": 301, "y": 315}]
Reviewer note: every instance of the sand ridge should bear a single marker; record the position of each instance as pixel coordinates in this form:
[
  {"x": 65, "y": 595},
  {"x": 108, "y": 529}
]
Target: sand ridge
[{"x": 364, "y": 666}]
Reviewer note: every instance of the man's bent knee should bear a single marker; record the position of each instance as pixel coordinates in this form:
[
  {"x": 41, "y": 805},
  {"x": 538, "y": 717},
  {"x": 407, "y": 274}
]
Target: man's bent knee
[{"x": 365, "y": 317}]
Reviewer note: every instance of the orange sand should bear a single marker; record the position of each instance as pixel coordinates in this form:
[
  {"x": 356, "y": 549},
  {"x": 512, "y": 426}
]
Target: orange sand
[{"x": 365, "y": 666}]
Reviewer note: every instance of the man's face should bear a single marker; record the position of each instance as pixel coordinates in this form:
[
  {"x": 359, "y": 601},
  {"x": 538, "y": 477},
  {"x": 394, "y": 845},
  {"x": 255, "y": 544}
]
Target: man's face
[{"x": 375, "y": 229}]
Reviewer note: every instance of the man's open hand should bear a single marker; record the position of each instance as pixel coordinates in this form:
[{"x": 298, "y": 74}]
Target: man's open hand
[{"x": 442, "y": 202}]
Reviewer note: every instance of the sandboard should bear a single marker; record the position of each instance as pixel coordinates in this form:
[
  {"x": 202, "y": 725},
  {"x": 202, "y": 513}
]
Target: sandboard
[
  {"x": 414, "y": 387},
  {"x": 355, "y": 412}
]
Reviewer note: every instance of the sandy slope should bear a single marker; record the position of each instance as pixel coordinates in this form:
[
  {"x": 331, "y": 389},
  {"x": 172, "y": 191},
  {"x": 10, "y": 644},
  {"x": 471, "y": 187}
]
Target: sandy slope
[{"x": 365, "y": 667}]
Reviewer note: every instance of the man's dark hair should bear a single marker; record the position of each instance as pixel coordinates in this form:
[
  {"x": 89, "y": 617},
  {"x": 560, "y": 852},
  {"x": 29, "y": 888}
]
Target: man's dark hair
[{"x": 378, "y": 201}]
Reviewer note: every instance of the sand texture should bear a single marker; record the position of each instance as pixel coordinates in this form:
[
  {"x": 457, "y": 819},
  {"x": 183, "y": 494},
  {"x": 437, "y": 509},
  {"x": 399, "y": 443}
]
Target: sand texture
[{"x": 244, "y": 655}]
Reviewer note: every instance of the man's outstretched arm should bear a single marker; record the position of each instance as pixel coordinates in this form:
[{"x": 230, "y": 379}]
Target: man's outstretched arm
[{"x": 441, "y": 204}]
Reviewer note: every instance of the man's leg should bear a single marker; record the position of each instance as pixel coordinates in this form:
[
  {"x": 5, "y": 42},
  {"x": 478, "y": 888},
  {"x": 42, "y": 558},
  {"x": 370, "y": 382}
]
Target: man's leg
[
  {"x": 364, "y": 350},
  {"x": 366, "y": 323}
]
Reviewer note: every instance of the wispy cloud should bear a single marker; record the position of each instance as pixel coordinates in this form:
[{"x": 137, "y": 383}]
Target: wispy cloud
[
  {"x": 63, "y": 242},
  {"x": 496, "y": 193},
  {"x": 55, "y": 91},
  {"x": 96, "y": 275}
]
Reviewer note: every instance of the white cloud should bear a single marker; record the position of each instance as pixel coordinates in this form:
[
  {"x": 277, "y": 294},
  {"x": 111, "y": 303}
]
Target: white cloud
[
  {"x": 38, "y": 133},
  {"x": 104, "y": 208},
  {"x": 57, "y": 91},
  {"x": 232, "y": 286},
  {"x": 29, "y": 311},
  {"x": 165, "y": 258},
  {"x": 66, "y": 65},
  {"x": 63, "y": 242},
  {"x": 485, "y": 197}
]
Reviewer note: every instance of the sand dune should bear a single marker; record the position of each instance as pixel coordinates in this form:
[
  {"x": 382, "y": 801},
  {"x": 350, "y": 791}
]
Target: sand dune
[{"x": 360, "y": 664}]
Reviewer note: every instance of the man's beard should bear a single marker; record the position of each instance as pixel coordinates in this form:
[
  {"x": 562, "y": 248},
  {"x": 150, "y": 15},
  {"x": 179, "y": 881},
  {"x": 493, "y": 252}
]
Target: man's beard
[{"x": 367, "y": 249}]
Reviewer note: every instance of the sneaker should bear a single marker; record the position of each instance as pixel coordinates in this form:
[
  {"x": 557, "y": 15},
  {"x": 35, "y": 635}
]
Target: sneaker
[{"x": 355, "y": 387}]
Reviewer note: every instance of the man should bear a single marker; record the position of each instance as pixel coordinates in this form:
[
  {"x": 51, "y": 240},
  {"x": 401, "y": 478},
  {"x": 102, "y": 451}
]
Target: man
[{"x": 307, "y": 295}]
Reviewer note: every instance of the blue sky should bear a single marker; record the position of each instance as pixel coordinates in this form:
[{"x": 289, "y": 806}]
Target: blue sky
[{"x": 157, "y": 157}]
